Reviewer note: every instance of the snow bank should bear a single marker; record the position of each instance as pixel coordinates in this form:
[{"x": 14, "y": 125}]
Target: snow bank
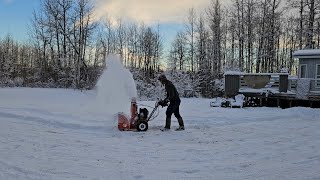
[{"x": 116, "y": 87}]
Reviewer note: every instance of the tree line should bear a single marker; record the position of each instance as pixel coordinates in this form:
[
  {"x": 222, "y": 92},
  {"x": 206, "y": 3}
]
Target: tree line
[
  {"x": 255, "y": 36},
  {"x": 68, "y": 47}
]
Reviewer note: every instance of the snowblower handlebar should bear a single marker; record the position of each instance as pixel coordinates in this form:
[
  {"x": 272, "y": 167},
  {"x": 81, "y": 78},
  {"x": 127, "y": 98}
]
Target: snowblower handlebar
[{"x": 158, "y": 103}]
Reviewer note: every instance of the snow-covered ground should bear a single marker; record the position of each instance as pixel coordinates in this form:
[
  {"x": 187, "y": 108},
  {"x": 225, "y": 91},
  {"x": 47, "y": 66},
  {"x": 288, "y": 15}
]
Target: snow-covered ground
[
  {"x": 69, "y": 134},
  {"x": 60, "y": 134}
]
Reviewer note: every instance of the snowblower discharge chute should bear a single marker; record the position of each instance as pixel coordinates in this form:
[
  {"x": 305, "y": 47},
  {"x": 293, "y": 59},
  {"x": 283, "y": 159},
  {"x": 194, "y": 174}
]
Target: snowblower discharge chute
[{"x": 138, "y": 121}]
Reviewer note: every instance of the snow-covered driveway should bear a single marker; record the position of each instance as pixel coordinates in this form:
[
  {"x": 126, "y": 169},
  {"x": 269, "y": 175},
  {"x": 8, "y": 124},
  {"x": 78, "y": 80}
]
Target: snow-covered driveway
[{"x": 58, "y": 134}]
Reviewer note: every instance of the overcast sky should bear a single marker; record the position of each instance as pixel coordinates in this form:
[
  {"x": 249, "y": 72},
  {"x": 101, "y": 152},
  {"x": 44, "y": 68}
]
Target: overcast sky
[{"x": 149, "y": 11}]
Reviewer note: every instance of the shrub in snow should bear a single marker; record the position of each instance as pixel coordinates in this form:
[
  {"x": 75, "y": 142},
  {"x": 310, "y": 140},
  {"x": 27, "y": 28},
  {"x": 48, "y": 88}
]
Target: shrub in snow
[
  {"x": 187, "y": 84},
  {"x": 10, "y": 83},
  {"x": 183, "y": 82},
  {"x": 18, "y": 81}
]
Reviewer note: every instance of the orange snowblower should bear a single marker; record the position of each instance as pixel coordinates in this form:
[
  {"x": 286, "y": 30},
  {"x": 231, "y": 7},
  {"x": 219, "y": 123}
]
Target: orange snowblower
[{"x": 138, "y": 120}]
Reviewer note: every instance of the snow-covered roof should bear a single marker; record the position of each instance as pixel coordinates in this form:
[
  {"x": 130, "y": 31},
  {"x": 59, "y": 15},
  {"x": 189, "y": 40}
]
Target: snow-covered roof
[
  {"x": 233, "y": 73},
  {"x": 255, "y": 74},
  {"x": 264, "y": 74},
  {"x": 307, "y": 53}
]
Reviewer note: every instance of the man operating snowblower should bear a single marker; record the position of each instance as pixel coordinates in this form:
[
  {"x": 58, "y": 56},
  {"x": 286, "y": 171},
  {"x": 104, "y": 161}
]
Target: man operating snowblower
[{"x": 173, "y": 108}]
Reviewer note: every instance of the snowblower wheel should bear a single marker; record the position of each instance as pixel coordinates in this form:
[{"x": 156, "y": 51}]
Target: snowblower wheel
[{"x": 142, "y": 126}]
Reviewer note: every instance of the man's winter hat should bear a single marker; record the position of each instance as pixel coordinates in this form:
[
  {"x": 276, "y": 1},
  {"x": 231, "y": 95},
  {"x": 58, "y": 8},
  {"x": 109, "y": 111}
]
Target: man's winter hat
[{"x": 162, "y": 77}]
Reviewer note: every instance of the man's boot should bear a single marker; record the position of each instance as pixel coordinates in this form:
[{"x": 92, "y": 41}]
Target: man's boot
[{"x": 181, "y": 125}]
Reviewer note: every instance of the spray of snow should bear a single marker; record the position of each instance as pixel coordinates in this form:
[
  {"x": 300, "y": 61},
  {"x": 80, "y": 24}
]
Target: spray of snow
[{"x": 116, "y": 87}]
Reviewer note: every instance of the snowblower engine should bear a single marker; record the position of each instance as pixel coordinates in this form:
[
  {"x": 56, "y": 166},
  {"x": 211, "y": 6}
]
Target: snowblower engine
[{"x": 143, "y": 113}]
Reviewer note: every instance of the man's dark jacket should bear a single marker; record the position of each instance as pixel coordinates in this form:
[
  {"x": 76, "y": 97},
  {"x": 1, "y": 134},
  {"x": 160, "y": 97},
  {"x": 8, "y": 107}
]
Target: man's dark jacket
[{"x": 172, "y": 93}]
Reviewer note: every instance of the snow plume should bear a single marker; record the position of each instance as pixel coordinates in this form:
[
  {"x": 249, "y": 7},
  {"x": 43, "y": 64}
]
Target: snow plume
[{"x": 116, "y": 87}]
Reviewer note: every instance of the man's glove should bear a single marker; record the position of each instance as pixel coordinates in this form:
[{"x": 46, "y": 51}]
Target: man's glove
[{"x": 163, "y": 103}]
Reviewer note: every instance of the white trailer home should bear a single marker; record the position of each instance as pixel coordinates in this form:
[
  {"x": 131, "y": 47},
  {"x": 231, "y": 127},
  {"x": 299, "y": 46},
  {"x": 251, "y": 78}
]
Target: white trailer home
[{"x": 309, "y": 67}]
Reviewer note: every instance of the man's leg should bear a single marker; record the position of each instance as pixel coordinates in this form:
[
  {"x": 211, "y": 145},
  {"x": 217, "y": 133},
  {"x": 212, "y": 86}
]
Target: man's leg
[
  {"x": 180, "y": 120},
  {"x": 169, "y": 113}
]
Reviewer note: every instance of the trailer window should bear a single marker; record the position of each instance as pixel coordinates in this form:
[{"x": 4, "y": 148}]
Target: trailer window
[
  {"x": 318, "y": 76},
  {"x": 303, "y": 71}
]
